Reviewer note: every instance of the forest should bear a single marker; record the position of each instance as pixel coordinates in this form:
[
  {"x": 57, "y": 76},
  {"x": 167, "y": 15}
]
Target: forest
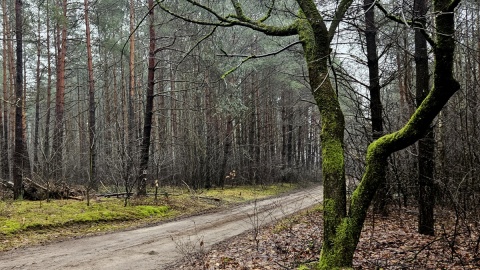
[{"x": 377, "y": 100}]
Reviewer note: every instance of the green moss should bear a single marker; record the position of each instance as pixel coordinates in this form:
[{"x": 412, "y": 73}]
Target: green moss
[
  {"x": 9, "y": 226},
  {"x": 149, "y": 211},
  {"x": 333, "y": 158},
  {"x": 306, "y": 36}
]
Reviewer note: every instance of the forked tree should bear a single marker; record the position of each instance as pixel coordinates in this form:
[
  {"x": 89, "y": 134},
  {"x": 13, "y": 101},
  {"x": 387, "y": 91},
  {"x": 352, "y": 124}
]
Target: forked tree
[{"x": 342, "y": 228}]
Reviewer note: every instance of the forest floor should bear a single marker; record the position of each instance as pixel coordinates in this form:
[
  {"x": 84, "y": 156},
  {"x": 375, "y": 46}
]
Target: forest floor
[{"x": 386, "y": 243}]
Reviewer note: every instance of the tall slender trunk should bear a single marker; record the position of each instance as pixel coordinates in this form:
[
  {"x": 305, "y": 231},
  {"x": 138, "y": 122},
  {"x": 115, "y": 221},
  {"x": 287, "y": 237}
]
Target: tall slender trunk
[
  {"x": 148, "y": 117},
  {"x": 374, "y": 90},
  {"x": 27, "y": 169},
  {"x": 10, "y": 57},
  {"x": 58, "y": 136},
  {"x": 130, "y": 98},
  {"x": 209, "y": 130},
  {"x": 37, "y": 99},
  {"x": 5, "y": 139},
  {"x": 46, "y": 140},
  {"x": 91, "y": 107},
  {"x": 426, "y": 195},
  {"x": 20, "y": 154},
  {"x": 226, "y": 150}
]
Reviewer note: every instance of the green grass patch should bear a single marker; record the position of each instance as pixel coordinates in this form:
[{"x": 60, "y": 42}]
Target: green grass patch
[
  {"x": 27, "y": 215},
  {"x": 248, "y": 193},
  {"x": 31, "y": 222}
]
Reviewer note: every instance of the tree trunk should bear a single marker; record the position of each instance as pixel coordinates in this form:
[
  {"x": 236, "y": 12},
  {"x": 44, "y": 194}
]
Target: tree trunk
[
  {"x": 426, "y": 195},
  {"x": 226, "y": 151},
  {"x": 130, "y": 98},
  {"x": 316, "y": 44},
  {"x": 20, "y": 154},
  {"x": 147, "y": 124},
  {"x": 58, "y": 136},
  {"x": 37, "y": 99},
  {"x": 381, "y": 200},
  {"x": 209, "y": 132},
  {"x": 5, "y": 132},
  {"x": 91, "y": 108},
  {"x": 46, "y": 143}
]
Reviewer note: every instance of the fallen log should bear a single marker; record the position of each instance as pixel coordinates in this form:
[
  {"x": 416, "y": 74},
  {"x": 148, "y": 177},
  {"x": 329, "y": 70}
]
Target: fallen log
[
  {"x": 108, "y": 195},
  {"x": 210, "y": 198},
  {"x": 35, "y": 191}
]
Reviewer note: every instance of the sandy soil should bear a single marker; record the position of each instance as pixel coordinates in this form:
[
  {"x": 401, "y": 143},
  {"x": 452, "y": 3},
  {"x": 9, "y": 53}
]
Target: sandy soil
[{"x": 159, "y": 246}]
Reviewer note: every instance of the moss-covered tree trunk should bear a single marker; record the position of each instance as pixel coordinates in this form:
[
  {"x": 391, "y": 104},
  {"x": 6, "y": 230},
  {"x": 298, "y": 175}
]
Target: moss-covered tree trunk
[
  {"x": 316, "y": 44},
  {"x": 348, "y": 232}
]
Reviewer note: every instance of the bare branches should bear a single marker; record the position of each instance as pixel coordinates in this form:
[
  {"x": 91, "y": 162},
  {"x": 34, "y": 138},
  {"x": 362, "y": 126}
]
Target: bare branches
[
  {"x": 197, "y": 43},
  {"x": 269, "y": 12},
  {"x": 249, "y": 57},
  {"x": 262, "y": 55},
  {"x": 221, "y": 21},
  {"x": 411, "y": 23},
  {"x": 237, "y": 19}
]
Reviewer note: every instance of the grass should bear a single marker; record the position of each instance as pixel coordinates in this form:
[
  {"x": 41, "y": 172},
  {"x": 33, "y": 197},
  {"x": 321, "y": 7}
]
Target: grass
[
  {"x": 247, "y": 193},
  {"x": 25, "y": 223}
]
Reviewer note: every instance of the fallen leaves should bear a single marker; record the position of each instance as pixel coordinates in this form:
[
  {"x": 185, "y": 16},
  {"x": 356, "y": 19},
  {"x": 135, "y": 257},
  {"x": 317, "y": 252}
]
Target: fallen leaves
[{"x": 386, "y": 243}]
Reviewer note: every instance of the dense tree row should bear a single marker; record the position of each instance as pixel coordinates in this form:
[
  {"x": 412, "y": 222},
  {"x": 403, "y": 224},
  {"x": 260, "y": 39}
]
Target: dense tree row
[{"x": 86, "y": 73}]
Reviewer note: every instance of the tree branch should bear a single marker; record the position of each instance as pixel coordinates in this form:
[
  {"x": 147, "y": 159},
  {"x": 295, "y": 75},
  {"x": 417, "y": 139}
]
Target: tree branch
[
  {"x": 337, "y": 18},
  {"x": 249, "y": 57},
  {"x": 410, "y": 23},
  {"x": 269, "y": 12},
  {"x": 238, "y": 19},
  {"x": 197, "y": 43},
  {"x": 261, "y": 55},
  {"x": 453, "y": 5}
]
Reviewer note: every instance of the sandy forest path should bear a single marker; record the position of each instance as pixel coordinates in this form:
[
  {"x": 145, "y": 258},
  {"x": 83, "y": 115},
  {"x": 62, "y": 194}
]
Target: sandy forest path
[{"x": 159, "y": 246}]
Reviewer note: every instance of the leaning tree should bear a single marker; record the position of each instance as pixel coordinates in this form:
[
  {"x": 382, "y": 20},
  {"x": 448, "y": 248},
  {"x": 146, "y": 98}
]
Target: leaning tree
[{"x": 342, "y": 223}]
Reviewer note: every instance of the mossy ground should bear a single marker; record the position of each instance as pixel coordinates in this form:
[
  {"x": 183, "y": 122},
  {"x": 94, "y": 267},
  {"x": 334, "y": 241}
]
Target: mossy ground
[{"x": 24, "y": 223}]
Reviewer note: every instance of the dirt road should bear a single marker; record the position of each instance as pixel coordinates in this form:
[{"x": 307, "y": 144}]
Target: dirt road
[{"x": 159, "y": 246}]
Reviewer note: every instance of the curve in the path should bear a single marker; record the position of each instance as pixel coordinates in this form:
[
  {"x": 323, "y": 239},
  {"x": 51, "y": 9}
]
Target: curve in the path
[{"x": 158, "y": 246}]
